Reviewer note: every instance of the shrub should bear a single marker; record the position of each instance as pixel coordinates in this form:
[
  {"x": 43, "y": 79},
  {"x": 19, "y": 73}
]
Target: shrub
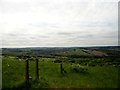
[
  {"x": 72, "y": 61},
  {"x": 57, "y": 61},
  {"x": 92, "y": 64},
  {"x": 79, "y": 69}
]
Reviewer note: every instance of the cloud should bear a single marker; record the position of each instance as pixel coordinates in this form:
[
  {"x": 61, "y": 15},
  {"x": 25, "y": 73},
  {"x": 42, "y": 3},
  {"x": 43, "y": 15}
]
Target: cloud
[
  {"x": 65, "y": 33},
  {"x": 58, "y": 23}
]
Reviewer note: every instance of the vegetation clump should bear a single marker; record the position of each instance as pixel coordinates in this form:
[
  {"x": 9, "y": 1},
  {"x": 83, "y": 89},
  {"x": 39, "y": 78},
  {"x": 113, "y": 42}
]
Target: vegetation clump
[{"x": 78, "y": 68}]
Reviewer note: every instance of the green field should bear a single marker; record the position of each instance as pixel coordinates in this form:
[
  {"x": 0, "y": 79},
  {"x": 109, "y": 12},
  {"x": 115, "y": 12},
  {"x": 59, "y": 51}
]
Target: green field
[
  {"x": 13, "y": 74},
  {"x": 0, "y": 72}
]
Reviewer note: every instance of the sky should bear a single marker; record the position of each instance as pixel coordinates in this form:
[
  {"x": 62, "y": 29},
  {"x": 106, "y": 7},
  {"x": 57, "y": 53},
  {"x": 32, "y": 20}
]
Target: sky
[{"x": 58, "y": 23}]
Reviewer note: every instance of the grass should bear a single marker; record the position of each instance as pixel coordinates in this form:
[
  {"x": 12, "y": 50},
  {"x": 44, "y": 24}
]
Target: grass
[
  {"x": 50, "y": 76},
  {"x": 13, "y": 73},
  {"x": 0, "y": 72}
]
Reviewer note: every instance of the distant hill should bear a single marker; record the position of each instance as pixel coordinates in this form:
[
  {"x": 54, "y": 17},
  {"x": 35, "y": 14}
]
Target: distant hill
[{"x": 64, "y": 51}]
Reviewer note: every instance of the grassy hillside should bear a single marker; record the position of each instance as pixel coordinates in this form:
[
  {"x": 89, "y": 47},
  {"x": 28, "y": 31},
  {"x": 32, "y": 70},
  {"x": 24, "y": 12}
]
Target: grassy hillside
[
  {"x": 90, "y": 67},
  {"x": 50, "y": 76}
]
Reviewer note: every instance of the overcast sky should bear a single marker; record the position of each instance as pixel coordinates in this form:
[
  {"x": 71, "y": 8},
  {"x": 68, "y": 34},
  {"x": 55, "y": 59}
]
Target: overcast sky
[{"x": 44, "y": 23}]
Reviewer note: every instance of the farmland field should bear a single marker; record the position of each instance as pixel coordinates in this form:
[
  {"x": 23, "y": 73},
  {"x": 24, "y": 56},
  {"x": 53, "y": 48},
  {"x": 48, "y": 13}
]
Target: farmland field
[{"x": 79, "y": 72}]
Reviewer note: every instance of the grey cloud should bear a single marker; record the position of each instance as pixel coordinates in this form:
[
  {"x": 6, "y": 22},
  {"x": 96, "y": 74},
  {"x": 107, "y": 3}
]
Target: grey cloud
[
  {"x": 87, "y": 36},
  {"x": 96, "y": 24},
  {"x": 45, "y": 25},
  {"x": 38, "y": 37},
  {"x": 113, "y": 34},
  {"x": 65, "y": 33}
]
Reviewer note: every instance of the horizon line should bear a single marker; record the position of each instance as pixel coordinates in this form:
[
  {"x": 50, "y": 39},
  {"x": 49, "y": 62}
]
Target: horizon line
[{"x": 62, "y": 46}]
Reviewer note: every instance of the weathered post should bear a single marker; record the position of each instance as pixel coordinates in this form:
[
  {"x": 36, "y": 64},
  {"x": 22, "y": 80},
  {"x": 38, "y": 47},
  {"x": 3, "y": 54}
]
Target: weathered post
[
  {"x": 27, "y": 72},
  {"x": 37, "y": 70},
  {"x": 61, "y": 68}
]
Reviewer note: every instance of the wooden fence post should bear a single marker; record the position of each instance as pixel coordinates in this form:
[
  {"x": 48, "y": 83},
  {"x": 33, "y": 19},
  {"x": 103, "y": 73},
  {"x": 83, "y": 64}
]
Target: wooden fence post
[
  {"x": 37, "y": 70},
  {"x": 61, "y": 68},
  {"x": 27, "y": 72}
]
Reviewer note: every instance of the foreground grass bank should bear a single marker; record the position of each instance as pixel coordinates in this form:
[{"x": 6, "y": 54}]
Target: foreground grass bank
[{"x": 50, "y": 76}]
